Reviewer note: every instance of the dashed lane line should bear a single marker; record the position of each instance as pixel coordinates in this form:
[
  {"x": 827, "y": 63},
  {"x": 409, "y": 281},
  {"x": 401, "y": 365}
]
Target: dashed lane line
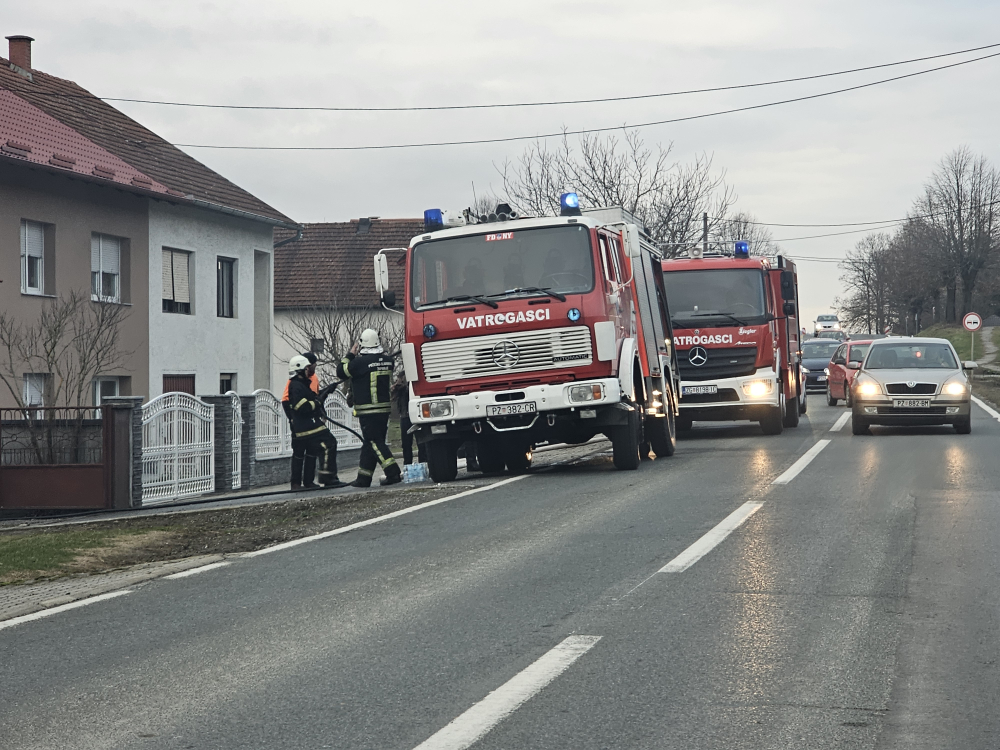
[
  {"x": 841, "y": 421},
  {"x": 379, "y": 519},
  {"x": 712, "y": 539},
  {"x": 472, "y": 725},
  {"x": 61, "y": 608},
  {"x": 795, "y": 469}
]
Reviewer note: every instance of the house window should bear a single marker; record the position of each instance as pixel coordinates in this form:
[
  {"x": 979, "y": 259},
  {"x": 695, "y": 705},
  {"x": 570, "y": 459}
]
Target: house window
[
  {"x": 105, "y": 268},
  {"x": 32, "y": 257},
  {"x": 227, "y": 382},
  {"x": 105, "y": 388},
  {"x": 176, "y": 282},
  {"x": 178, "y": 384},
  {"x": 34, "y": 389},
  {"x": 225, "y": 269}
]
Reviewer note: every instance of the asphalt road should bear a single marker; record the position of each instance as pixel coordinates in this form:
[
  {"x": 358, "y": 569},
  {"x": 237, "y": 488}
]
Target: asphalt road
[{"x": 855, "y": 605}]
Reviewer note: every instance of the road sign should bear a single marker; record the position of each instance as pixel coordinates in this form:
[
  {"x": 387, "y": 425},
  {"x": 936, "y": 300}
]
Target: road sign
[{"x": 972, "y": 321}]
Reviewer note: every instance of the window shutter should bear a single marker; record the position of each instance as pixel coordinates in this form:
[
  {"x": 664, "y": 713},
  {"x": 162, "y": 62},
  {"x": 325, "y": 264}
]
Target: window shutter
[
  {"x": 110, "y": 254},
  {"x": 181, "y": 286},
  {"x": 95, "y": 253},
  {"x": 168, "y": 275},
  {"x": 34, "y": 239}
]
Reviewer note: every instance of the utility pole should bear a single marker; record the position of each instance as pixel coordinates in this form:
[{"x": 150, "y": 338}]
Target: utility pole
[{"x": 704, "y": 233}]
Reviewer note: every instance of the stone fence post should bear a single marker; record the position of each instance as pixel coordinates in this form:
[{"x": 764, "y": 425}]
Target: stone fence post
[
  {"x": 128, "y": 432},
  {"x": 222, "y": 441}
]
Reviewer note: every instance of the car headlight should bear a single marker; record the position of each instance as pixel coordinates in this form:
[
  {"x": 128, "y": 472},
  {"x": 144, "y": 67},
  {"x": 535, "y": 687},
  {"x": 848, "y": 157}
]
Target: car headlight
[
  {"x": 868, "y": 388},
  {"x": 758, "y": 388},
  {"x": 436, "y": 409},
  {"x": 955, "y": 388},
  {"x": 581, "y": 393},
  {"x": 826, "y": 371},
  {"x": 805, "y": 370}
]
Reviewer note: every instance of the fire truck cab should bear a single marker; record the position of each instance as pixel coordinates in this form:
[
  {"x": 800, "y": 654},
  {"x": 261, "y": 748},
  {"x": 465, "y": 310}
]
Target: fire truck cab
[
  {"x": 735, "y": 320},
  {"x": 521, "y": 331}
]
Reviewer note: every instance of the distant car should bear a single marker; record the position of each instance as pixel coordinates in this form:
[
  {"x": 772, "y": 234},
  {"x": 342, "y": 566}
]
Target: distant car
[
  {"x": 835, "y": 335},
  {"x": 841, "y": 371},
  {"x": 910, "y": 380},
  {"x": 816, "y": 355},
  {"x": 826, "y": 323}
]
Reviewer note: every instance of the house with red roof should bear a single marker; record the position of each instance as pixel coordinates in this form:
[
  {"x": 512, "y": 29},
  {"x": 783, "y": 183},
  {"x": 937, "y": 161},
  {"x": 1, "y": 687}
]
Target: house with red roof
[
  {"x": 93, "y": 202},
  {"x": 324, "y": 287}
]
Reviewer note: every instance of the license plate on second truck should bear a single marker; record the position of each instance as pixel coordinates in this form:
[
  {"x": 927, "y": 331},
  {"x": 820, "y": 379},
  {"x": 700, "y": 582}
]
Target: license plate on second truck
[
  {"x": 506, "y": 410},
  {"x": 697, "y": 390}
]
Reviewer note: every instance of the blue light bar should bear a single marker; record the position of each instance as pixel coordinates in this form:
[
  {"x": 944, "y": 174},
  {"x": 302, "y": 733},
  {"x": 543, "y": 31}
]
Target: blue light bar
[
  {"x": 741, "y": 249},
  {"x": 569, "y": 204},
  {"x": 433, "y": 219}
]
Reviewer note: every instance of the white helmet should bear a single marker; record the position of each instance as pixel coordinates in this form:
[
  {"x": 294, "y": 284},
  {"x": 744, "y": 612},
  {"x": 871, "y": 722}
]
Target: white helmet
[
  {"x": 369, "y": 338},
  {"x": 297, "y": 364}
]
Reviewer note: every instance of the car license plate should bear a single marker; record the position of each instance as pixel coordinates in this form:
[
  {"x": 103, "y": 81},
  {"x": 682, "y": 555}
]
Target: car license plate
[
  {"x": 911, "y": 403},
  {"x": 694, "y": 390},
  {"x": 506, "y": 410}
]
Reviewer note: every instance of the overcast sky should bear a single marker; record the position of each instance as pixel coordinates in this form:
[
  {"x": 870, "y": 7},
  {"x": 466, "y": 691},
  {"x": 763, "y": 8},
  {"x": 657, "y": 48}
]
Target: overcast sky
[{"x": 859, "y": 156}]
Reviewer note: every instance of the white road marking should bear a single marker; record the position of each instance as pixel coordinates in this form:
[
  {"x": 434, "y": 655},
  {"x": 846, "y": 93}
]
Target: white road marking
[
  {"x": 986, "y": 407},
  {"x": 502, "y": 702},
  {"x": 196, "y": 571},
  {"x": 62, "y": 608},
  {"x": 379, "y": 519},
  {"x": 841, "y": 421},
  {"x": 703, "y": 546},
  {"x": 795, "y": 469}
]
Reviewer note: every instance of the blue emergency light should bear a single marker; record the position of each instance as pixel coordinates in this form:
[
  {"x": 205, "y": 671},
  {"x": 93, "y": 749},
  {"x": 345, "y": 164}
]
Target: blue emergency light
[
  {"x": 569, "y": 204},
  {"x": 430, "y": 331},
  {"x": 741, "y": 249},
  {"x": 433, "y": 219}
]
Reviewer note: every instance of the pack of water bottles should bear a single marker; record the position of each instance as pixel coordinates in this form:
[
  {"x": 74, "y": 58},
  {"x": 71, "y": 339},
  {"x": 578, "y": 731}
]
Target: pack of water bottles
[{"x": 416, "y": 473}]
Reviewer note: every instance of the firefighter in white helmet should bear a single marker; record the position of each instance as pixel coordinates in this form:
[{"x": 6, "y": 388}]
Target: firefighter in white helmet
[
  {"x": 370, "y": 371},
  {"x": 310, "y": 435}
]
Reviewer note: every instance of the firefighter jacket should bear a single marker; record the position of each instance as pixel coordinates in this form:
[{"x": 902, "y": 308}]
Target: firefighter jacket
[
  {"x": 371, "y": 378},
  {"x": 313, "y": 383},
  {"x": 305, "y": 408}
]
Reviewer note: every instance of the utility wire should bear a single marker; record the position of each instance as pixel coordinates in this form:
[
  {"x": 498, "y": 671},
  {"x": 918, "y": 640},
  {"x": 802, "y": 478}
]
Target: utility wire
[
  {"x": 446, "y": 107},
  {"x": 543, "y": 136}
]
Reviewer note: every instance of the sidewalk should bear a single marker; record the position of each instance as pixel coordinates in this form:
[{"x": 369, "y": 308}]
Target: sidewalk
[{"x": 989, "y": 348}]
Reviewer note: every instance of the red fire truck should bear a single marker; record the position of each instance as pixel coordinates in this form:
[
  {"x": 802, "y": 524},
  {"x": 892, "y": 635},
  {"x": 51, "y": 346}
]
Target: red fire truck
[
  {"x": 521, "y": 331},
  {"x": 736, "y": 329}
]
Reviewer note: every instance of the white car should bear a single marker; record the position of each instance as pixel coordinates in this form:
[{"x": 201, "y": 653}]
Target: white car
[{"x": 827, "y": 323}]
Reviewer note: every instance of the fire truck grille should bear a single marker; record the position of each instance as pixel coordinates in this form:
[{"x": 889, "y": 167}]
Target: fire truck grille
[
  {"x": 721, "y": 363},
  {"x": 500, "y": 354}
]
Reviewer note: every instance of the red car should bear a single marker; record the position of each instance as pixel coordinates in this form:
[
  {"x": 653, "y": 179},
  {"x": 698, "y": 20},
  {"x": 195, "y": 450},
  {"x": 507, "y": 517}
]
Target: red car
[{"x": 842, "y": 369}]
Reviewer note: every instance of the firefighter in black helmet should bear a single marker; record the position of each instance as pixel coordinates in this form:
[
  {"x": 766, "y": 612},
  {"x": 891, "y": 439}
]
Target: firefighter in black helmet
[
  {"x": 370, "y": 371},
  {"x": 310, "y": 435}
]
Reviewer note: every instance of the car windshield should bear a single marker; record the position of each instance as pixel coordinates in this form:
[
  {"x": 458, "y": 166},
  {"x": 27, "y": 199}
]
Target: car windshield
[
  {"x": 556, "y": 258},
  {"x": 911, "y": 356},
  {"x": 826, "y": 318},
  {"x": 858, "y": 352},
  {"x": 715, "y": 297},
  {"x": 819, "y": 349}
]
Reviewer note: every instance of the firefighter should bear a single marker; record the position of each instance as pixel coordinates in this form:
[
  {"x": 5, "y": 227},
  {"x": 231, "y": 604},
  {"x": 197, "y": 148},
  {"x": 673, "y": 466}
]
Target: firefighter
[
  {"x": 369, "y": 369},
  {"x": 310, "y": 436},
  {"x": 306, "y": 478}
]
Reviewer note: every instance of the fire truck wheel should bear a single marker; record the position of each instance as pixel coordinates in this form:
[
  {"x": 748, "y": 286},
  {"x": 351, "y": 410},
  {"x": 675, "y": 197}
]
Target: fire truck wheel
[
  {"x": 517, "y": 456},
  {"x": 830, "y": 400},
  {"x": 791, "y": 413},
  {"x": 662, "y": 433},
  {"x": 774, "y": 422},
  {"x": 625, "y": 441},
  {"x": 442, "y": 459}
]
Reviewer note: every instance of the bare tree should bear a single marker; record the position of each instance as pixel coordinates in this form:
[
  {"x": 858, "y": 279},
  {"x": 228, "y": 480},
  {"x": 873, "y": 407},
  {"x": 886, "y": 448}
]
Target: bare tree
[
  {"x": 744, "y": 226},
  {"x": 74, "y": 341},
  {"x": 867, "y": 275},
  {"x": 667, "y": 197}
]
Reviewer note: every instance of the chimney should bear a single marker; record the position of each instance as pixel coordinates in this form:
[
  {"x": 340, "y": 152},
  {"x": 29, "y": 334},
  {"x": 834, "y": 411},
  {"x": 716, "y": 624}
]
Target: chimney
[{"x": 20, "y": 51}]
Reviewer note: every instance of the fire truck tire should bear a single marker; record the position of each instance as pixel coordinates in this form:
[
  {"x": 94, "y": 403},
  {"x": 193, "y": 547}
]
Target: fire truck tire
[
  {"x": 662, "y": 433},
  {"x": 625, "y": 441},
  {"x": 791, "y": 418},
  {"x": 442, "y": 460},
  {"x": 774, "y": 422},
  {"x": 517, "y": 456}
]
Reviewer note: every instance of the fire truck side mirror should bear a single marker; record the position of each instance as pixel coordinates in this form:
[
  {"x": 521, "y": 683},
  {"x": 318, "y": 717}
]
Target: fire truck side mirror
[
  {"x": 389, "y": 298},
  {"x": 381, "y": 273},
  {"x": 789, "y": 308},
  {"x": 787, "y": 285}
]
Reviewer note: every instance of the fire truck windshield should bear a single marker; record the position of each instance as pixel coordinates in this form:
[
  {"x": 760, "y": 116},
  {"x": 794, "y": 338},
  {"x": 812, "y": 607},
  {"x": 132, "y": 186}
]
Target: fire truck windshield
[
  {"x": 716, "y": 297},
  {"x": 495, "y": 264}
]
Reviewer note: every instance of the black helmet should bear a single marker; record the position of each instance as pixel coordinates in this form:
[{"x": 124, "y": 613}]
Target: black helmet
[{"x": 311, "y": 356}]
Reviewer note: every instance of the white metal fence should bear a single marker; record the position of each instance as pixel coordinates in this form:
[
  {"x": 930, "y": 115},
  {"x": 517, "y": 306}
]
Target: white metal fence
[
  {"x": 178, "y": 440},
  {"x": 337, "y": 408},
  {"x": 236, "y": 440},
  {"x": 274, "y": 438}
]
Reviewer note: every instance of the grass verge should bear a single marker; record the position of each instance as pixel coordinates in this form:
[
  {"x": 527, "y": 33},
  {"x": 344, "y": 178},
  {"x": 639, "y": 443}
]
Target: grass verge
[
  {"x": 31, "y": 555},
  {"x": 959, "y": 338}
]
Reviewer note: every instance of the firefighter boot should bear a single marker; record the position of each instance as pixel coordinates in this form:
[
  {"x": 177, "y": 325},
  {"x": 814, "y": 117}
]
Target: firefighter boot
[
  {"x": 364, "y": 479},
  {"x": 393, "y": 475}
]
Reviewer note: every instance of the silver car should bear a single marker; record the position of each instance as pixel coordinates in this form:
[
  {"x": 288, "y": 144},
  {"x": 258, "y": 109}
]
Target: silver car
[{"x": 906, "y": 381}]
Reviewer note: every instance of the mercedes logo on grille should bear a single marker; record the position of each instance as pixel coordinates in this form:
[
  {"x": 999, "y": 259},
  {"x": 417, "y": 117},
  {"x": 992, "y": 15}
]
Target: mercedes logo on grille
[
  {"x": 697, "y": 356},
  {"x": 506, "y": 354},
  {"x": 911, "y": 384}
]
